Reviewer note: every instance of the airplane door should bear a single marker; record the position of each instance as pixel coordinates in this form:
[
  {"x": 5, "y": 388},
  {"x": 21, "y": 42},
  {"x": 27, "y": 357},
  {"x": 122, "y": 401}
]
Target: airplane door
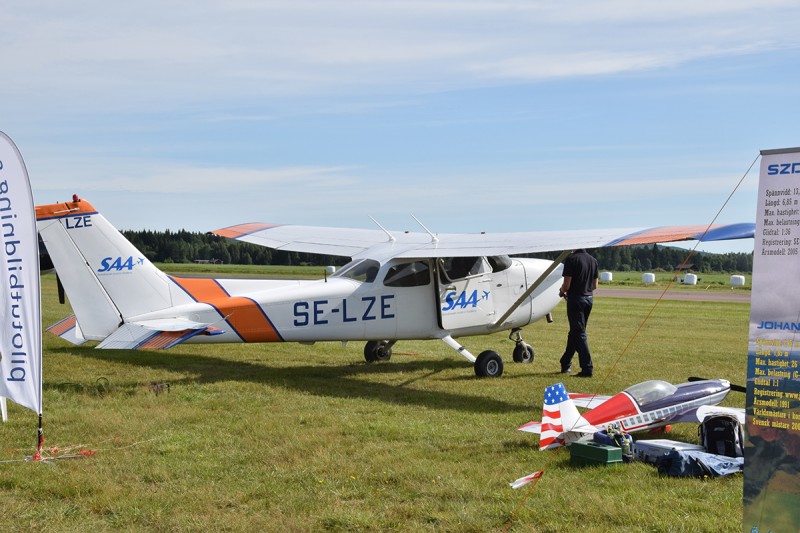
[{"x": 465, "y": 292}]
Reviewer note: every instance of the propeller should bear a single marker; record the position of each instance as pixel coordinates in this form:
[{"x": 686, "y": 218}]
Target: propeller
[{"x": 737, "y": 388}]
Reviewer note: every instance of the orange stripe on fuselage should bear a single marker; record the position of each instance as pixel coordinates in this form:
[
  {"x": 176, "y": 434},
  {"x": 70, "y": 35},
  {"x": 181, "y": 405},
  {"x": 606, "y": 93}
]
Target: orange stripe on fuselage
[
  {"x": 242, "y": 314},
  {"x": 666, "y": 234},
  {"x": 234, "y": 232},
  {"x": 64, "y": 209}
]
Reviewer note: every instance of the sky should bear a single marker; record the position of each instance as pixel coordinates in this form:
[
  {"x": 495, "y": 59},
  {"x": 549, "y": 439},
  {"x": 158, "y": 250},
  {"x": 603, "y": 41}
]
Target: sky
[{"x": 471, "y": 115}]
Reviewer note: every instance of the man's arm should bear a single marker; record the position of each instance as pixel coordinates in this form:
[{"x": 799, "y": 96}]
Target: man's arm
[{"x": 565, "y": 286}]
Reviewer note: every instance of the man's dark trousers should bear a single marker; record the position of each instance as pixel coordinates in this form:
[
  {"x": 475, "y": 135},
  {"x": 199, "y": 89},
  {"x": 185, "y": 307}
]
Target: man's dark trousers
[{"x": 578, "y": 310}]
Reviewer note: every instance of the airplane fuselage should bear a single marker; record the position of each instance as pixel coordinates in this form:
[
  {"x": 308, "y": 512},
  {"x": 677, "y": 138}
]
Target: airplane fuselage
[
  {"x": 341, "y": 309},
  {"x": 645, "y": 414}
]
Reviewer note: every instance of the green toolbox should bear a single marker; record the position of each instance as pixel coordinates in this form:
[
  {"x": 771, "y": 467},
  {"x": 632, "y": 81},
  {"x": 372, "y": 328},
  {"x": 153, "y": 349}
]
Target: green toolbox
[{"x": 588, "y": 452}]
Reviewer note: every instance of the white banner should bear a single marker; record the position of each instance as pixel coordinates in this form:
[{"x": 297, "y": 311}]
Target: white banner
[
  {"x": 772, "y": 444},
  {"x": 20, "y": 296}
]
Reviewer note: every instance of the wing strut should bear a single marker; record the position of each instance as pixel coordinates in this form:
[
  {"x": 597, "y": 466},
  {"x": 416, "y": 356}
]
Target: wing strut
[{"x": 530, "y": 290}]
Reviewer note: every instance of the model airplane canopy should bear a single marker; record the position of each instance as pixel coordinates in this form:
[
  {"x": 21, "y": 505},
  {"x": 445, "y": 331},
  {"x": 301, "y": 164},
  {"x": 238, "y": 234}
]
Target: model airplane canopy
[{"x": 382, "y": 245}]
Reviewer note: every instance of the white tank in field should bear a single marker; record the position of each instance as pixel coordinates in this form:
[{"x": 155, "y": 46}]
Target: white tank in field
[
  {"x": 648, "y": 277},
  {"x": 690, "y": 279},
  {"x": 606, "y": 277}
]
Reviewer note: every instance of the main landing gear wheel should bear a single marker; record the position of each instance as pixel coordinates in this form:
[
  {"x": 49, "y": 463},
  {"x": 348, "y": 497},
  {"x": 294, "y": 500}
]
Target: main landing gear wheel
[
  {"x": 523, "y": 353},
  {"x": 378, "y": 351},
  {"x": 489, "y": 365}
]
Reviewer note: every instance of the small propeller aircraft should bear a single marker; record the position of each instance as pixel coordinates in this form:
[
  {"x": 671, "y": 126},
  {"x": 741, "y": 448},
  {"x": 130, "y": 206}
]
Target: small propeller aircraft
[
  {"x": 645, "y": 406},
  {"x": 399, "y": 285}
]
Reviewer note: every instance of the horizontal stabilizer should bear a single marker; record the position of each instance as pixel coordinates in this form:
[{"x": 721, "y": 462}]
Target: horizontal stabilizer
[
  {"x": 531, "y": 427},
  {"x": 133, "y": 336},
  {"x": 68, "y": 330},
  {"x": 170, "y": 324}
]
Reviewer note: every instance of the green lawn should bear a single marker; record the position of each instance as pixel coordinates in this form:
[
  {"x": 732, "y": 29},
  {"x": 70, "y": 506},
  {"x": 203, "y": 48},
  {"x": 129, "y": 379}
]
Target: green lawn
[{"x": 286, "y": 437}]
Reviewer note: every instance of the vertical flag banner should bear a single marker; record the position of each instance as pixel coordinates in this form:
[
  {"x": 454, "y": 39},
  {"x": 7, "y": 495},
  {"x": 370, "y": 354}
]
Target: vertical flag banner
[
  {"x": 20, "y": 296},
  {"x": 772, "y": 444}
]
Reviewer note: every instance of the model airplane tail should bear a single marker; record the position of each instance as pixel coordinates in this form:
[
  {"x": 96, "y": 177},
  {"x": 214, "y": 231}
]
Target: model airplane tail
[
  {"x": 108, "y": 281},
  {"x": 561, "y": 423}
]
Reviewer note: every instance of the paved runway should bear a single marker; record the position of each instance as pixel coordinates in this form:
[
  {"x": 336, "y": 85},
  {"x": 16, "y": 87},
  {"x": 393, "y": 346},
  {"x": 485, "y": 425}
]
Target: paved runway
[{"x": 698, "y": 296}]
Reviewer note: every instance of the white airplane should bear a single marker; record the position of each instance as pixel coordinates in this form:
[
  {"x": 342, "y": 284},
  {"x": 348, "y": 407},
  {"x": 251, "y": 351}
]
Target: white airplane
[{"x": 398, "y": 286}]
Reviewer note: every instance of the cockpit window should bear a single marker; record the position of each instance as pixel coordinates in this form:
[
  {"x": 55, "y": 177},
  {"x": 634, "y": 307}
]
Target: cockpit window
[
  {"x": 454, "y": 268},
  {"x": 414, "y": 274},
  {"x": 650, "y": 391},
  {"x": 364, "y": 270}
]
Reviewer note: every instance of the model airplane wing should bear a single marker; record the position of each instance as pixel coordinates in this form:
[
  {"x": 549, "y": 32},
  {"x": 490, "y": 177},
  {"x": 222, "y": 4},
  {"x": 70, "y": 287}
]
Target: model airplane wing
[
  {"x": 379, "y": 244},
  {"x": 704, "y": 411}
]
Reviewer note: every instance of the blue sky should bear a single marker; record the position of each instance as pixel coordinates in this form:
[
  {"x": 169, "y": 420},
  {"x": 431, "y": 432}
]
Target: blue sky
[{"x": 471, "y": 115}]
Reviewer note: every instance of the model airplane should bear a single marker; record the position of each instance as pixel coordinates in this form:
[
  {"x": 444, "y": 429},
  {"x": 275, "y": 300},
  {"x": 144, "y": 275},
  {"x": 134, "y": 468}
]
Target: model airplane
[
  {"x": 644, "y": 406},
  {"x": 401, "y": 285}
]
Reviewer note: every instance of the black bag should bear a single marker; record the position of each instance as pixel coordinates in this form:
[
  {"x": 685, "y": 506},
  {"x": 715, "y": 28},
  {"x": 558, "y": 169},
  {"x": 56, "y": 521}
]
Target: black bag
[{"x": 722, "y": 435}]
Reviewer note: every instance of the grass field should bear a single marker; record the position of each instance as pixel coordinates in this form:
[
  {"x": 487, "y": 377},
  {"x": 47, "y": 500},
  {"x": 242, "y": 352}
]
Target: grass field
[{"x": 286, "y": 437}]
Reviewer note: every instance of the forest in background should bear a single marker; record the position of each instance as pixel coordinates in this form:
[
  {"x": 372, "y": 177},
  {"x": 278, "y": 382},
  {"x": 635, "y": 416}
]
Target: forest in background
[{"x": 188, "y": 247}]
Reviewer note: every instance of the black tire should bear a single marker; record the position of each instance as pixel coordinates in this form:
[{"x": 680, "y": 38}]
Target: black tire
[
  {"x": 489, "y": 365},
  {"x": 377, "y": 351},
  {"x": 523, "y": 353}
]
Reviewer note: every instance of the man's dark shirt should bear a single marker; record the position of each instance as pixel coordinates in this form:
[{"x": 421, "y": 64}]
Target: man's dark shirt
[{"x": 582, "y": 268}]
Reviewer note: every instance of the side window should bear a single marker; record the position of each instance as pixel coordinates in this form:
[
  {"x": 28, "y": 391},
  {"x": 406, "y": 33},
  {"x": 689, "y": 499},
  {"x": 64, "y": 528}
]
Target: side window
[
  {"x": 413, "y": 274},
  {"x": 454, "y": 268}
]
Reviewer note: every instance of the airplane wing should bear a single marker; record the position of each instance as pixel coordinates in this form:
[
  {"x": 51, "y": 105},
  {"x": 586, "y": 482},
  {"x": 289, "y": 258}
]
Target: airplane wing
[
  {"x": 704, "y": 411},
  {"x": 380, "y": 245}
]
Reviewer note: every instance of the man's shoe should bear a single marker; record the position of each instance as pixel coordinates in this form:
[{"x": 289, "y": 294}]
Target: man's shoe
[
  {"x": 566, "y": 369},
  {"x": 583, "y": 374}
]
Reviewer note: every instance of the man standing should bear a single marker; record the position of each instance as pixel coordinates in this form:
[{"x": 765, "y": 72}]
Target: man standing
[{"x": 580, "y": 280}]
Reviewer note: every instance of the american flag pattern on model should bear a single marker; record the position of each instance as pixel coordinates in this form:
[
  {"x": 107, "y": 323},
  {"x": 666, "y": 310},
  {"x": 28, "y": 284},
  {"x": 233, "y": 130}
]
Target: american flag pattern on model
[{"x": 552, "y": 427}]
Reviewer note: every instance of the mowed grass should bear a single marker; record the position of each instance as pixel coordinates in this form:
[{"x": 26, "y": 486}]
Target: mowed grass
[{"x": 286, "y": 437}]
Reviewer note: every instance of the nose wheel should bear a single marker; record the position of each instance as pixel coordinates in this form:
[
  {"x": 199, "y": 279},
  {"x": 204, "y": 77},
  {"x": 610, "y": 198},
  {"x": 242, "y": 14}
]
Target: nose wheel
[
  {"x": 378, "y": 351},
  {"x": 523, "y": 352}
]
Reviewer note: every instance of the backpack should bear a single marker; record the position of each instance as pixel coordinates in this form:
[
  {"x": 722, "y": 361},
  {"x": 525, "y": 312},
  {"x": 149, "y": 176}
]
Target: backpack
[{"x": 722, "y": 435}]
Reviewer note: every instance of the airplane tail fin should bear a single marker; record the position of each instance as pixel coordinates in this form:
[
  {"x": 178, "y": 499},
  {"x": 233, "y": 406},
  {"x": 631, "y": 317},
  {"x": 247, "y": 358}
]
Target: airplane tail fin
[
  {"x": 561, "y": 423},
  {"x": 107, "y": 280}
]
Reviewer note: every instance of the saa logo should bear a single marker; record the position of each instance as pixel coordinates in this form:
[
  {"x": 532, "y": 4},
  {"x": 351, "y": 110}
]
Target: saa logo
[
  {"x": 454, "y": 300},
  {"x": 119, "y": 264}
]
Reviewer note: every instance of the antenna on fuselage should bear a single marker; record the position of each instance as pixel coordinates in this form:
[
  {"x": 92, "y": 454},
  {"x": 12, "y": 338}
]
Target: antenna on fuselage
[
  {"x": 434, "y": 238},
  {"x": 391, "y": 237}
]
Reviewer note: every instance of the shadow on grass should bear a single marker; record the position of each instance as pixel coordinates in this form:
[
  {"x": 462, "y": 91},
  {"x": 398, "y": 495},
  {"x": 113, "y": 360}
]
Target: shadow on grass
[{"x": 325, "y": 380}]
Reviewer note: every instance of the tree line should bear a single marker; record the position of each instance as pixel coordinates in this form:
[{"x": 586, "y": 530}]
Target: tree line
[{"x": 188, "y": 247}]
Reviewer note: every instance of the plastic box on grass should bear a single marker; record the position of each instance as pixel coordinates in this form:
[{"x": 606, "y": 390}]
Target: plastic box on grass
[
  {"x": 593, "y": 453},
  {"x": 650, "y": 450}
]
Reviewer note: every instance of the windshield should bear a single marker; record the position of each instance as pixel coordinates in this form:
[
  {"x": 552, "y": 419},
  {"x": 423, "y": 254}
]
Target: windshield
[
  {"x": 650, "y": 391},
  {"x": 363, "y": 270}
]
